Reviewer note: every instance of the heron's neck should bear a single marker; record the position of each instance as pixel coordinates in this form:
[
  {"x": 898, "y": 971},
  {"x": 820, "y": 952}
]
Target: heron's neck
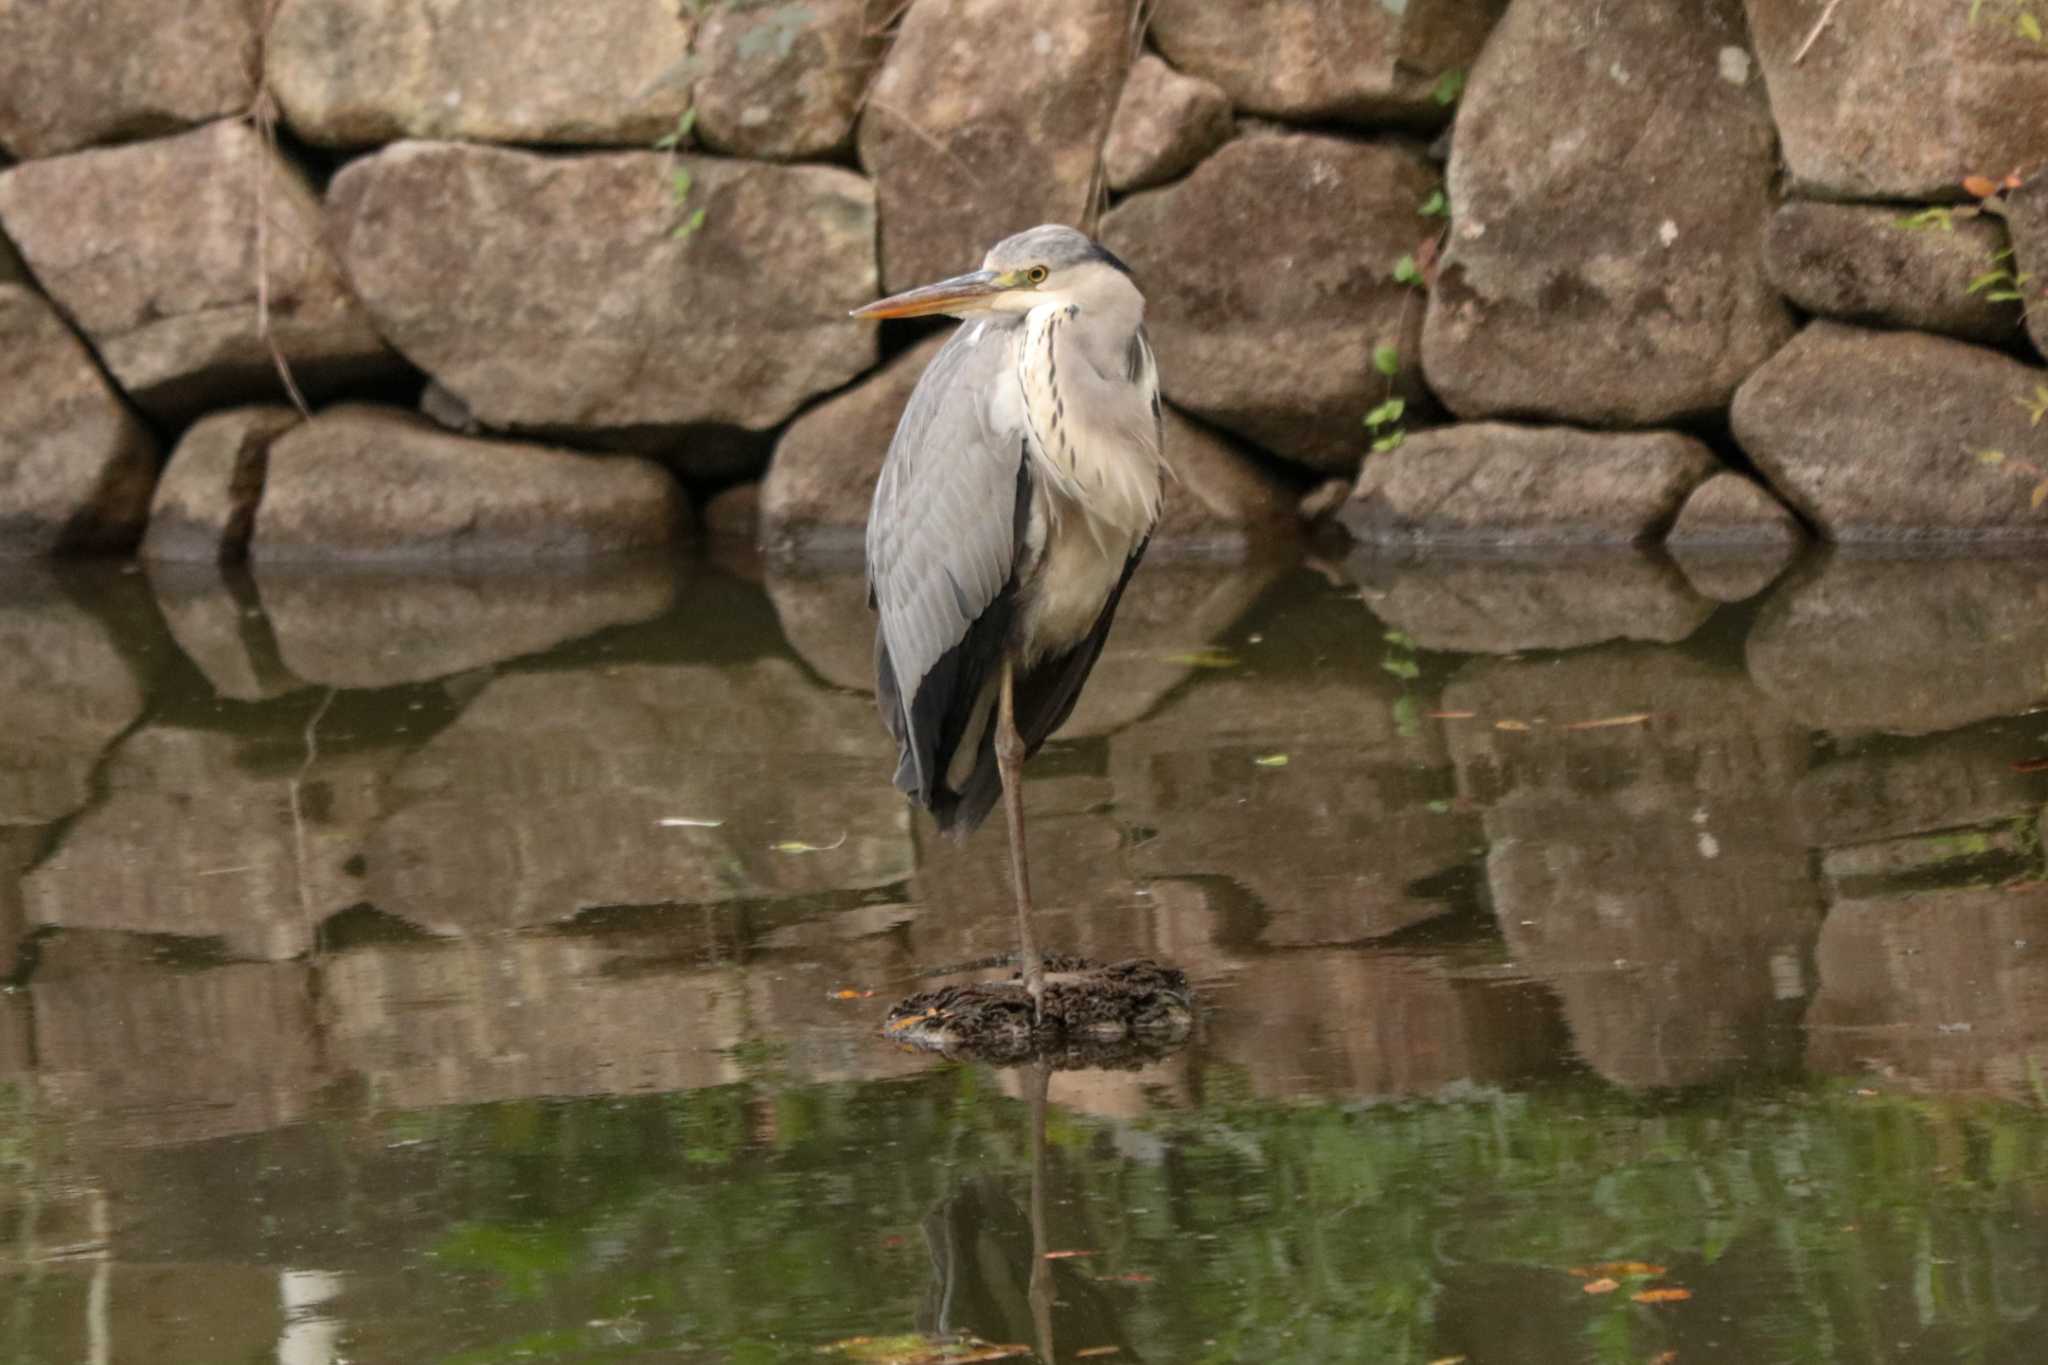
[{"x": 1099, "y": 322}]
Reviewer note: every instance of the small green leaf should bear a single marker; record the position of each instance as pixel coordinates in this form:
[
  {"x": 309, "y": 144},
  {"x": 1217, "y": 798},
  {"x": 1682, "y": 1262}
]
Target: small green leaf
[
  {"x": 1387, "y": 359},
  {"x": 1391, "y": 441},
  {"x": 1271, "y": 760},
  {"x": 687, "y": 124},
  {"x": 1405, "y": 669},
  {"x": 2029, "y": 26},
  {"x": 1407, "y": 723},
  {"x": 1389, "y": 411},
  {"x": 1928, "y": 218},
  {"x": 1449, "y": 86},
  {"x": 1991, "y": 456},
  {"x": 2003, "y": 296},
  {"x": 1986, "y": 280},
  {"x": 1406, "y": 271},
  {"x": 1436, "y": 206},
  {"x": 1400, "y": 639},
  {"x": 1439, "y": 807},
  {"x": 667, "y": 142},
  {"x": 688, "y": 225}
]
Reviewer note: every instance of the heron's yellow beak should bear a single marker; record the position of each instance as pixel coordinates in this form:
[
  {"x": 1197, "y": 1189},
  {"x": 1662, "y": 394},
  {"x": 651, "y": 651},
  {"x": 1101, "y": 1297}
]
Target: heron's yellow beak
[{"x": 961, "y": 294}]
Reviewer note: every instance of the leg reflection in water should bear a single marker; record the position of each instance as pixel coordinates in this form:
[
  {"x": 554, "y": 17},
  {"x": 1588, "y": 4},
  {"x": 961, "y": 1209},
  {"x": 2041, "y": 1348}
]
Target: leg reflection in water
[{"x": 990, "y": 1275}]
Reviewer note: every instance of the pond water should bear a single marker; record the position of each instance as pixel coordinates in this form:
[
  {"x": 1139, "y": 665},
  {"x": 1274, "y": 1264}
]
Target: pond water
[{"x": 487, "y": 968}]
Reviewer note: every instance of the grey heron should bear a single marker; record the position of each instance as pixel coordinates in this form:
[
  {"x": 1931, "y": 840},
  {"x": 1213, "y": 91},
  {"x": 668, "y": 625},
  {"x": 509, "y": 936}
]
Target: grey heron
[{"x": 1019, "y": 492}]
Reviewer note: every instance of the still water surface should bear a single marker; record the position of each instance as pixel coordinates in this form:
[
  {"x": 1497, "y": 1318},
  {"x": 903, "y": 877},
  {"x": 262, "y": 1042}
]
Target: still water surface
[{"x": 487, "y": 969}]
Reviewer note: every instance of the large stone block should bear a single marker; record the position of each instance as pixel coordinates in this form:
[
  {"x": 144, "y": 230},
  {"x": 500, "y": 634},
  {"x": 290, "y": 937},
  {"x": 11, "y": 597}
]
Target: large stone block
[
  {"x": 158, "y": 251},
  {"x": 988, "y": 118},
  {"x": 1900, "y": 99},
  {"x": 71, "y": 75},
  {"x": 783, "y": 79},
  {"x": 358, "y": 72},
  {"x": 361, "y": 484},
  {"x": 205, "y": 503},
  {"x": 1864, "y": 263},
  {"x": 76, "y": 468},
  {"x": 1897, "y": 436},
  {"x": 1165, "y": 122},
  {"x": 1276, "y": 344},
  {"x": 552, "y": 292},
  {"x": 1609, "y": 191}
]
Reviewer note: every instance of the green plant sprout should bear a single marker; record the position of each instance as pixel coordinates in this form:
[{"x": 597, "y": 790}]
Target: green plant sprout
[{"x": 680, "y": 181}]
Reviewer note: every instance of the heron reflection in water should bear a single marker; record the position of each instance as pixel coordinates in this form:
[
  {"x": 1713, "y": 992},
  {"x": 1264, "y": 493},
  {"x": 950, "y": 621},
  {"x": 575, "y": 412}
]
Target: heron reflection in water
[{"x": 1018, "y": 495}]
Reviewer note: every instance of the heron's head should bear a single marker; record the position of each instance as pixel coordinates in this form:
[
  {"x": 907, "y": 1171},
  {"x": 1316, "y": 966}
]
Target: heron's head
[{"x": 1043, "y": 265}]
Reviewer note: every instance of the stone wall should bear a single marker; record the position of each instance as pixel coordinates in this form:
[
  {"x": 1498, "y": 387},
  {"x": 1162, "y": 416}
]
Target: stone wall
[{"x": 1672, "y": 264}]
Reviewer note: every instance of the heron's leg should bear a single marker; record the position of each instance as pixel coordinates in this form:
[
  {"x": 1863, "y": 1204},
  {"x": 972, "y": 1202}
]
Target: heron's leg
[{"x": 1010, "y": 763}]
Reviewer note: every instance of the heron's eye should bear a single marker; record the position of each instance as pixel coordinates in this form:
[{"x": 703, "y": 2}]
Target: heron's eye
[{"x": 1036, "y": 274}]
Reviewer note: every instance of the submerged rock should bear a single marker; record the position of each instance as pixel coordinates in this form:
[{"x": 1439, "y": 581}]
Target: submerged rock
[
  {"x": 123, "y": 69},
  {"x": 69, "y": 692},
  {"x": 1885, "y": 788},
  {"x": 1608, "y": 200},
  {"x": 1277, "y": 345},
  {"x": 1895, "y": 436},
  {"x": 76, "y": 468},
  {"x": 356, "y": 72},
  {"x": 1363, "y": 61},
  {"x": 1910, "y": 646},
  {"x": 205, "y": 503},
  {"x": 1165, "y": 122},
  {"x": 1863, "y": 263},
  {"x": 783, "y": 81},
  {"x": 1492, "y": 483},
  {"x": 553, "y": 293},
  {"x": 362, "y": 484},
  {"x": 1879, "y": 108},
  {"x": 987, "y": 117},
  {"x": 152, "y": 248}
]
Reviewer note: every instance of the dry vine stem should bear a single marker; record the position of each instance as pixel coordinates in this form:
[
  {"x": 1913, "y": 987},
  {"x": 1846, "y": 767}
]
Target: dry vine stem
[
  {"x": 1814, "y": 36},
  {"x": 262, "y": 115}
]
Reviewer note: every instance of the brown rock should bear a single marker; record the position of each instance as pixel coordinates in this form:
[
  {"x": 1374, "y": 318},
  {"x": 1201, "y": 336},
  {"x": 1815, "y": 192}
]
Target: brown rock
[
  {"x": 1908, "y": 646},
  {"x": 205, "y": 503},
  {"x": 547, "y": 797},
  {"x": 152, "y": 248},
  {"x": 1502, "y": 603},
  {"x": 69, "y": 692},
  {"x": 1729, "y": 510},
  {"x": 376, "y": 484},
  {"x": 1165, "y": 122},
  {"x": 1276, "y": 345},
  {"x": 1221, "y": 503},
  {"x": 198, "y": 838},
  {"x": 2027, "y": 217},
  {"x": 1862, "y": 263},
  {"x": 76, "y": 468},
  {"x": 734, "y": 513},
  {"x": 1495, "y": 483},
  {"x": 413, "y": 623},
  {"x": 1356, "y": 60},
  {"x": 1877, "y": 109},
  {"x": 1944, "y": 991},
  {"x": 550, "y": 292},
  {"x": 1612, "y": 851},
  {"x": 357, "y": 72},
  {"x": 988, "y": 118},
  {"x": 1609, "y": 200},
  {"x": 129, "y": 68},
  {"x": 783, "y": 81},
  {"x": 1883, "y": 436}
]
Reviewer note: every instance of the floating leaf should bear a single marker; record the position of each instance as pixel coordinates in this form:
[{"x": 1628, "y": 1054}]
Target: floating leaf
[
  {"x": 1439, "y": 807},
  {"x": 1069, "y": 1255},
  {"x": 1601, "y": 1286},
  {"x": 849, "y": 993},
  {"x": 1204, "y": 658},
  {"x": 1271, "y": 760},
  {"x": 1406, "y": 271},
  {"x": 798, "y": 846},
  {"x": 687, "y": 822},
  {"x": 912, "y": 1349},
  {"x": 1515, "y": 725},
  {"x": 1452, "y": 715},
  {"x": 1979, "y": 187},
  {"x": 1449, "y": 86},
  {"x": 1128, "y": 1277},
  {"x": 1088, "y": 1351},
  {"x": 1609, "y": 722},
  {"x": 1661, "y": 1295},
  {"x": 1387, "y": 359}
]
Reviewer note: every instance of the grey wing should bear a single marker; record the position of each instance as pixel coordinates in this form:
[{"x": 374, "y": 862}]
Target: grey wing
[{"x": 941, "y": 539}]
